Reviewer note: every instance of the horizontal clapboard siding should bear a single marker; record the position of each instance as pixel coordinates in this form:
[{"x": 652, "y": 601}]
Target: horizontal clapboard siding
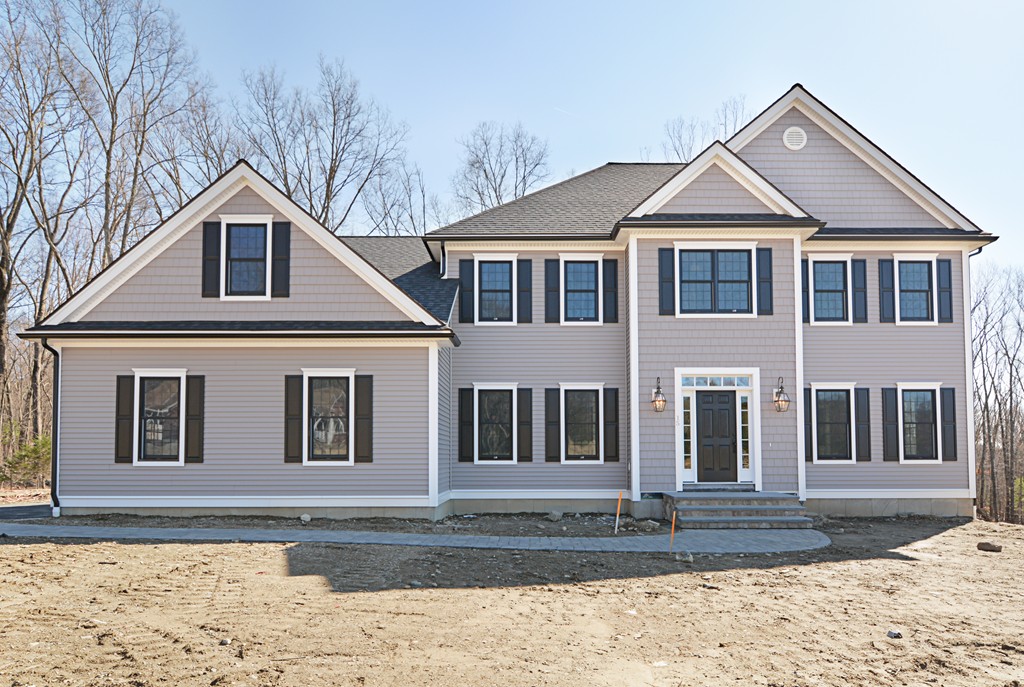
[
  {"x": 244, "y": 424},
  {"x": 174, "y": 280},
  {"x": 768, "y": 343},
  {"x": 446, "y": 431},
  {"x": 878, "y": 355},
  {"x": 539, "y": 356}
]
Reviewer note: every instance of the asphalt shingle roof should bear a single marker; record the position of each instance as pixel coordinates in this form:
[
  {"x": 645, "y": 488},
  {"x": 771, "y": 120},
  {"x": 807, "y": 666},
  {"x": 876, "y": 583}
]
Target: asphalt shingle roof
[{"x": 590, "y": 203}]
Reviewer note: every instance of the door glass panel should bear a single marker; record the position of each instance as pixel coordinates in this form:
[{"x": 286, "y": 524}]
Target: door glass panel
[
  {"x": 687, "y": 421},
  {"x": 745, "y": 431}
]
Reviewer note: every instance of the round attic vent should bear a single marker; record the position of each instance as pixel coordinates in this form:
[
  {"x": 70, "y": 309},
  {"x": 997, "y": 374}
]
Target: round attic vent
[{"x": 795, "y": 138}]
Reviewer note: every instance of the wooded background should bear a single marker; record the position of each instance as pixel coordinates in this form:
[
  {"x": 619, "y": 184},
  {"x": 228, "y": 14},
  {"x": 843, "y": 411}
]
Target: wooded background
[{"x": 107, "y": 127}]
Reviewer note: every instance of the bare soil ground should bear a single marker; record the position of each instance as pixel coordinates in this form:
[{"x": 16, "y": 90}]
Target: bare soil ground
[
  {"x": 24, "y": 496},
  {"x": 312, "y": 615},
  {"x": 502, "y": 525}
]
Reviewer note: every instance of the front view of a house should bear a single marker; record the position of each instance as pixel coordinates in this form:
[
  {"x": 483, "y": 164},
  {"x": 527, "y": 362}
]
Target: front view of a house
[{"x": 786, "y": 313}]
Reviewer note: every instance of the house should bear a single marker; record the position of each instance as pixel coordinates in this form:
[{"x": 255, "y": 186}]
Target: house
[{"x": 786, "y": 313}]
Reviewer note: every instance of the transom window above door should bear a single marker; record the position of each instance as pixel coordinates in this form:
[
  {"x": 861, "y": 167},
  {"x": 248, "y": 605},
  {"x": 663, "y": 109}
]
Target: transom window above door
[{"x": 715, "y": 281}]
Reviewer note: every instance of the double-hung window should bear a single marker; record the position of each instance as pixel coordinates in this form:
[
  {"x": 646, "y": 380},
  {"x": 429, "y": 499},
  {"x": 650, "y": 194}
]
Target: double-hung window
[
  {"x": 495, "y": 423},
  {"x": 582, "y": 279},
  {"x": 715, "y": 281},
  {"x": 496, "y": 288},
  {"x": 918, "y": 432},
  {"x": 833, "y": 423},
  {"x": 245, "y": 256},
  {"x": 915, "y": 285},
  {"x": 329, "y": 406},
  {"x": 582, "y": 423},
  {"x": 830, "y": 276},
  {"x": 159, "y": 426}
]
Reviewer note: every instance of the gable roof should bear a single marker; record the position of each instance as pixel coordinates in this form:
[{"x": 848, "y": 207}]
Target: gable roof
[
  {"x": 584, "y": 206},
  {"x": 860, "y": 145},
  {"x": 240, "y": 175}
]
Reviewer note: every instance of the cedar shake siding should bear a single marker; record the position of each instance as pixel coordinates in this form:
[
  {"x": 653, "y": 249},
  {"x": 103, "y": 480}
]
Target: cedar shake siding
[
  {"x": 714, "y": 191},
  {"x": 244, "y": 424},
  {"x": 539, "y": 356},
  {"x": 767, "y": 342},
  {"x": 877, "y": 355},
  {"x": 169, "y": 287}
]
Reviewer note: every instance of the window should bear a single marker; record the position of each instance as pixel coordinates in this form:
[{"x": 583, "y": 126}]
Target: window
[
  {"x": 831, "y": 290},
  {"x": 832, "y": 425},
  {"x": 245, "y": 256},
  {"x": 715, "y": 281},
  {"x": 329, "y": 418},
  {"x": 920, "y": 441},
  {"x": 915, "y": 297},
  {"x": 495, "y": 423},
  {"x": 159, "y": 427},
  {"x": 495, "y": 290},
  {"x": 581, "y": 424},
  {"x": 328, "y": 409},
  {"x": 581, "y": 291}
]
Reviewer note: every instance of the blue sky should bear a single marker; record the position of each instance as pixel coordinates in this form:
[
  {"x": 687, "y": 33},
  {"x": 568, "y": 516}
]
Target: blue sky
[{"x": 939, "y": 85}]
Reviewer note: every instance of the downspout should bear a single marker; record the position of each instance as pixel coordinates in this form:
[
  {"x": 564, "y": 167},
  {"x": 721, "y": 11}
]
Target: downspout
[{"x": 55, "y": 426}]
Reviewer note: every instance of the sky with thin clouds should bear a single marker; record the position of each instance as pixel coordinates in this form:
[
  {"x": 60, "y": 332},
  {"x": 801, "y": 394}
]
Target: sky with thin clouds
[{"x": 939, "y": 85}]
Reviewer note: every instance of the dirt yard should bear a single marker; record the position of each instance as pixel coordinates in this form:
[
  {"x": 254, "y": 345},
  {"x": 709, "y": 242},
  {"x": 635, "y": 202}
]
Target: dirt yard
[
  {"x": 18, "y": 497},
  {"x": 313, "y": 615}
]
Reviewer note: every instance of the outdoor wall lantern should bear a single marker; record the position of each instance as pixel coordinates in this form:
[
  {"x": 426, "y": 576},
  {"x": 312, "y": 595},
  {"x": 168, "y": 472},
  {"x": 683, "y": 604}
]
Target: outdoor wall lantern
[
  {"x": 658, "y": 399},
  {"x": 781, "y": 398}
]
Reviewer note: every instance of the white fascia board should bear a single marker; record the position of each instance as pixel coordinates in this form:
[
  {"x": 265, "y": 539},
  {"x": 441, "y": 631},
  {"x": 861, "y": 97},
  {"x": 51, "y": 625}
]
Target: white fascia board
[
  {"x": 727, "y": 161},
  {"x": 859, "y": 145}
]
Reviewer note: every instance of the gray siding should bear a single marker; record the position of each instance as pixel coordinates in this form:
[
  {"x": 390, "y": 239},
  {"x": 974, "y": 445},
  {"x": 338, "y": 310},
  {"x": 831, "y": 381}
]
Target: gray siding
[
  {"x": 540, "y": 356},
  {"x": 244, "y": 433},
  {"x": 714, "y": 191},
  {"x": 444, "y": 413},
  {"x": 877, "y": 355},
  {"x": 169, "y": 287},
  {"x": 767, "y": 343},
  {"x": 829, "y": 181}
]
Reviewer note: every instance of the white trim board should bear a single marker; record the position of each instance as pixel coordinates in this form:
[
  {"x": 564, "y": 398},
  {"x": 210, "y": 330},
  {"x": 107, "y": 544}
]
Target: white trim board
[
  {"x": 888, "y": 494},
  {"x": 524, "y": 494},
  {"x": 254, "y": 501},
  {"x": 201, "y": 206},
  {"x": 348, "y": 373}
]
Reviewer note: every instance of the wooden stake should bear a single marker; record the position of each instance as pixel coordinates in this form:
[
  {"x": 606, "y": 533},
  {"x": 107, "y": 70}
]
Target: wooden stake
[
  {"x": 618, "y": 509},
  {"x": 672, "y": 537}
]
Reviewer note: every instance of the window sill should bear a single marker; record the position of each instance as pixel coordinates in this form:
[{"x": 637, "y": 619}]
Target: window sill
[
  {"x": 920, "y": 461},
  {"x": 916, "y": 323},
  {"x": 583, "y": 462},
  {"x": 716, "y": 316},
  {"x": 495, "y": 324},
  {"x": 582, "y": 324},
  {"x": 837, "y": 461},
  {"x": 160, "y": 463},
  {"x": 226, "y": 297},
  {"x": 830, "y": 323},
  {"x": 513, "y": 461},
  {"x": 326, "y": 463}
]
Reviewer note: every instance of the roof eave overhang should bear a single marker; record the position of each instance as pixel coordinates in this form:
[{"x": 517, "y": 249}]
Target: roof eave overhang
[
  {"x": 802, "y": 226},
  {"x": 35, "y": 334}
]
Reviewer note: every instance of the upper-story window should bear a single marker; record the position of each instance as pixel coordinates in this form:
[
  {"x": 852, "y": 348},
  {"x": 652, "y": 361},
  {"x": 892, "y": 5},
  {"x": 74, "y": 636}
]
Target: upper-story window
[
  {"x": 715, "y": 281},
  {"x": 581, "y": 281},
  {"x": 496, "y": 279},
  {"x": 916, "y": 289},
  {"x": 830, "y": 278},
  {"x": 246, "y": 256}
]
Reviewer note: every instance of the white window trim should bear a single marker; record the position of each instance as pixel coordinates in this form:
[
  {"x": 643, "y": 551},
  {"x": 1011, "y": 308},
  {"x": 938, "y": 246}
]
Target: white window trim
[
  {"x": 582, "y": 386},
  {"x": 921, "y": 386},
  {"x": 496, "y": 257},
  {"x": 598, "y": 259},
  {"x": 916, "y": 257},
  {"x": 831, "y": 257},
  {"x": 833, "y": 386},
  {"x": 716, "y": 245},
  {"x": 180, "y": 373},
  {"x": 225, "y": 220},
  {"x": 349, "y": 372},
  {"x": 495, "y": 386}
]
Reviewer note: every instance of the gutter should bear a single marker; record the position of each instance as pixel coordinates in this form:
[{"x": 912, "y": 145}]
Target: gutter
[
  {"x": 54, "y": 426},
  {"x": 206, "y": 334}
]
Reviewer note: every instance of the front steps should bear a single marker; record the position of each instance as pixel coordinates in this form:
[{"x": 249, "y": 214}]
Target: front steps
[{"x": 734, "y": 507}]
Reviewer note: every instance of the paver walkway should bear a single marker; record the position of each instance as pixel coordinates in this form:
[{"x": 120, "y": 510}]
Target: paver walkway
[
  {"x": 694, "y": 541},
  {"x": 25, "y": 512}
]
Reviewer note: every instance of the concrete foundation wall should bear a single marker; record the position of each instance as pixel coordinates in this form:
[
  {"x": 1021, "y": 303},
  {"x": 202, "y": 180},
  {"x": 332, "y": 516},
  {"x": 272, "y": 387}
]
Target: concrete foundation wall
[{"x": 869, "y": 508}]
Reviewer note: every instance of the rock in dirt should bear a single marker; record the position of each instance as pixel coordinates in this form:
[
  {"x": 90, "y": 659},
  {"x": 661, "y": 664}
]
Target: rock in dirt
[
  {"x": 305, "y": 517},
  {"x": 893, "y": 634},
  {"x": 646, "y": 525},
  {"x": 685, "y": 557},
  {"x": 989, "y": 546},
  {"x": 554, "y": 516},
  {"x": 225, "y": 642}
]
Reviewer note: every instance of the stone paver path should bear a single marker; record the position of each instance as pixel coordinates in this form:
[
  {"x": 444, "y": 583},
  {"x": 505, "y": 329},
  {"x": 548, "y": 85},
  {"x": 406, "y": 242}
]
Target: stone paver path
[
  {"x": 694, "y": 541},
  {"x": 25, "y": 512}
]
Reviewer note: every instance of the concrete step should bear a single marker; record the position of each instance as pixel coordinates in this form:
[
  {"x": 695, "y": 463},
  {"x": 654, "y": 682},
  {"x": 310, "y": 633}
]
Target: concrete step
[
  {"x": 761, "y": 523},
  {"x": 729, "y": 511},
  {"x": 730, "y": 498},
  {"x": 717, "y": 486}
]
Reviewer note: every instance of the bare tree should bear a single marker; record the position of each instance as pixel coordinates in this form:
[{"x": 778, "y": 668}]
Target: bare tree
[
  {"x": 499, "y": 164},
  {"x": 323, "y": 148},
  {"x": 396, "y": 201},
  {"x": 685, "y": 137},
  {"x": 730, "y": 116}
]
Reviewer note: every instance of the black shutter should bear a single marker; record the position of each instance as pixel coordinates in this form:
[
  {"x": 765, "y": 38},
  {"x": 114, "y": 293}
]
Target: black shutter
[
  {"x": 666, "y": 281},
  {"x": 124, "y": 418},
  {"x": 945, "y": 279},
  {"x": 948, "y": 423},
  {"x": 886, "y": 292},
  {"x": 195, "y": 403},
  {"x": 466, "y": 309},
  {"x": 211, "y": 259},
  {"x": 524, "y": 399},
  {"x": 890, "y": 425},
  {"x": 293, "y": 419},
  {"x": 805, "y": 285},
  {"x": 364, "y": 419},
  {"x": 465, "y": 425},
  {"x": 764, "y": 281},
  {"x": 553, "y": 425},
  {"x": 611, "y": 290},
  {"x": 862, "y": 426},
  {"x": 808, "y": 435},
  {"x": 280, "y": 266},
  {"x": 860, "y": 290},
  {"x": 551, "y": 291},
  {"x": 524, "y": 284},
  {"x": 611, "y": 425}
]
